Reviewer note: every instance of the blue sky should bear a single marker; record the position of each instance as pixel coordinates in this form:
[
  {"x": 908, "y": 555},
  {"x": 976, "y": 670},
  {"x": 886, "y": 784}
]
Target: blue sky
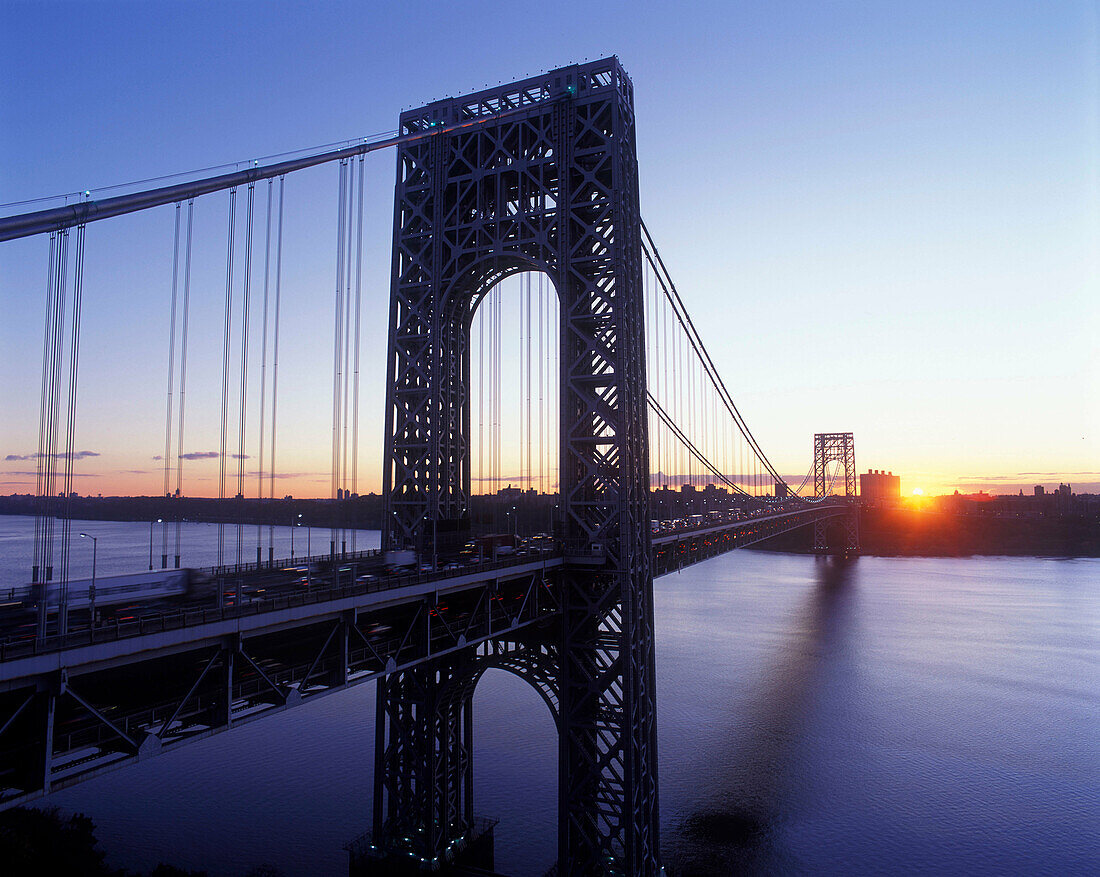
[{"x": 884, "y": 216}]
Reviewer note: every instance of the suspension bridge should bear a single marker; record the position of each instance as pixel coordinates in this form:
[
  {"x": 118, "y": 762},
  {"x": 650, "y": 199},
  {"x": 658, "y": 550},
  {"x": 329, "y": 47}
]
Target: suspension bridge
[{"x": 521, "y": 197}]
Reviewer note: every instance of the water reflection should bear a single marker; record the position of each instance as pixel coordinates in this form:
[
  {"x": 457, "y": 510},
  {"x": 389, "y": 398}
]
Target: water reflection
[{"x": 734, "y": 832}]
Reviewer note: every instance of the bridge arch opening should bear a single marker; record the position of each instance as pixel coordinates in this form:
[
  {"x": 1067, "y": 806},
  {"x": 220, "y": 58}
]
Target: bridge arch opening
[
  {"x": 512, "y": 407},
  {"x": 516, "y": 768}
]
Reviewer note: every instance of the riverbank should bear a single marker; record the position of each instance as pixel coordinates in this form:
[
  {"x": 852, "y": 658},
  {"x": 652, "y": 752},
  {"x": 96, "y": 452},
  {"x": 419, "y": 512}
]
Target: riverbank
[{"x": 910, "y": 532}]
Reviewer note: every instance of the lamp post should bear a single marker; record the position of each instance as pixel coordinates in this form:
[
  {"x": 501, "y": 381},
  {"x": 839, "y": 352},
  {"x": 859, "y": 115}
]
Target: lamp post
[
  {"x": 91, "y": 590},
  {"x": 294, "y": 522},
  {"x": 151, "y": 543}
]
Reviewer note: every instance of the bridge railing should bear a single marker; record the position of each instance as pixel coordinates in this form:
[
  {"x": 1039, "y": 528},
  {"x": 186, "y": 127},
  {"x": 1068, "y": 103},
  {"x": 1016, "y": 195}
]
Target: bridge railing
[
  {"x": 114, "y": 629},
  {"x": 229, "y": 570}
]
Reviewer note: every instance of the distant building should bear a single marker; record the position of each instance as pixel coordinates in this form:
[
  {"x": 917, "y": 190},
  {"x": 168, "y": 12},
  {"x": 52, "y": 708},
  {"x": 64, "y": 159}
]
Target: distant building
[
  {"x": 781, "y": 491},
  {"x": 1039, "y": 490},
  {"x": 878, "y": 486}
]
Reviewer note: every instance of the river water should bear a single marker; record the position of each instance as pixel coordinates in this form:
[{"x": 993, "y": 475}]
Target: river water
[{"x": 924, "y": 716}]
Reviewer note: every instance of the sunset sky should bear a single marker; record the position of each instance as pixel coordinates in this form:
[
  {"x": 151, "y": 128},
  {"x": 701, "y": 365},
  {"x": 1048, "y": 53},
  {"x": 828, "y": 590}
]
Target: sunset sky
[{"x": 884, "y": 217}]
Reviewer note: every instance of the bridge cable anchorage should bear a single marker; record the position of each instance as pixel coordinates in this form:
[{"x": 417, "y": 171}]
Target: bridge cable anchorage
[
  {"x": 225, "y": 373},
  {"x": 275, "y": 357},
  {"x": 165, "y": 488},
  {"x": 183, "y": 373}
]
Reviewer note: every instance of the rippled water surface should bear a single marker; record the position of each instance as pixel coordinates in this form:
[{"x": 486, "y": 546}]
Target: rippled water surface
[{"x": 907, "y": 715}]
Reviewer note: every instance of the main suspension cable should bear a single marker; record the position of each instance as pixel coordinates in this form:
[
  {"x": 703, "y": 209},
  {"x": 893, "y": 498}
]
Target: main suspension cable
[{"x": 651, "y": 253}]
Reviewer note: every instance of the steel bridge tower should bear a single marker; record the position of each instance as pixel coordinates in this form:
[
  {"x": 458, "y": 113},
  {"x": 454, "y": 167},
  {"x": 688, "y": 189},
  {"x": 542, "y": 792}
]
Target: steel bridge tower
[
  {"x": 839, "y": 447},
  {"x": 549, "y": 183}
]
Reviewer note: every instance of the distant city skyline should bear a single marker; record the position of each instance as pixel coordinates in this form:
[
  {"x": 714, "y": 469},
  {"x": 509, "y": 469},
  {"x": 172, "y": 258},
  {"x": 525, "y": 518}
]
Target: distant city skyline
[{"x": 883, "y": 216}]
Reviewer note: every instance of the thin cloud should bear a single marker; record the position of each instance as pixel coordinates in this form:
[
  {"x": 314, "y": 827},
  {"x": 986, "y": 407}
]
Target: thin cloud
[
  {"x": 22, "y": 458},
  {"x": 205, "y": 455},
  {"x": 1052, "y": 474},
  {"x": 34, "y": 474},
  {"x": 281, "y": 475}
]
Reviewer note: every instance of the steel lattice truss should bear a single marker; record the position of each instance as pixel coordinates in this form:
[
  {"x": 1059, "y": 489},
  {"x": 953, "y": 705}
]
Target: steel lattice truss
[
  {"x": 555, "y": 190},
  {"x": 839, "y": 447}
]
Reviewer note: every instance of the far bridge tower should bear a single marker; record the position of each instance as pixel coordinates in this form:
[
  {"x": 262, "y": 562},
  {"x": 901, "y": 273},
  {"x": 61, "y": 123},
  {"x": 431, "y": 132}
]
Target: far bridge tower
[{"x": 836, "y": 447}]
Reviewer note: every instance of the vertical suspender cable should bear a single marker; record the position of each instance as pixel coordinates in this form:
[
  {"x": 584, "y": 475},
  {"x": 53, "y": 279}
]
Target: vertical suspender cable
[
  {"x": 530, "y": 440},
  {"x": 263, "y": 376},
  {"x": 165, "y": 490},
  {"x": 542, "y": 399},
  {"x": 336, "y": 357},
  {"x": 672, "y": 375},
  {"x": 275, "y": 356},
  {"x": 245, "y": 313},
  {"x": 70, "y": 431},
  {"x": 183, "y": 369},
  {"x": 225, "y": 375},
  {"x": 344, "y": 418},
  {"x": 524, "y": 368},
  {"x": 39, "y": 562},
  {"x": 553, "y": 386},
  {"x": 664, "y": 375},
  {"x": 55, "y": 404},
  {"x": 497, "y": 388},
  {"x": 519, "y": 389},
  {"x": 55, "y": 318},
  {"x": 493, "y": 395},
  {"x": 481, "y": 399},
  {"x": 358, "y": 309}
]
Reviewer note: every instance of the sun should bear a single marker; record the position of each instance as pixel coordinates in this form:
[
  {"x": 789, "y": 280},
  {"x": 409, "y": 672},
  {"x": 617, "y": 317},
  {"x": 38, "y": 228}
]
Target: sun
[{"x": 918, "y": 491}]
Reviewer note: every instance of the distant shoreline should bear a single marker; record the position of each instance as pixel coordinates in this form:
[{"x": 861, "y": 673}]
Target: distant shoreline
[
  {"x": 904, "y": 532},
  {"x": 884, "y": 531}
]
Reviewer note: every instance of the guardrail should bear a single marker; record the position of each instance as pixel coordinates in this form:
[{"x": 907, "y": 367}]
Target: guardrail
[
  {"x": 183, "y": 617},
  {"x": 283, "y": 563},
  {"x": 192, "y": 617}
]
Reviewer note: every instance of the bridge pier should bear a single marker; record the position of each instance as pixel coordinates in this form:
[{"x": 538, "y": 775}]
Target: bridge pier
[{"x": 423, "y": 793}]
